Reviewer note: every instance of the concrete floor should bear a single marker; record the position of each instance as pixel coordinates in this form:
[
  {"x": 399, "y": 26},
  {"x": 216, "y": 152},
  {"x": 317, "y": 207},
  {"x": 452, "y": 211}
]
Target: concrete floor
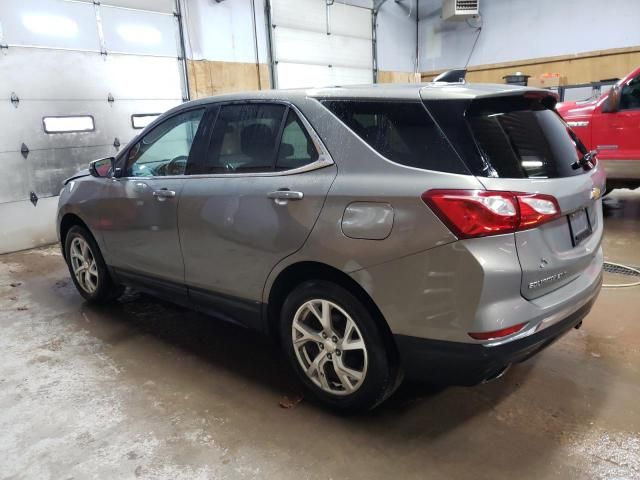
[{"x": 145, "y": 389}]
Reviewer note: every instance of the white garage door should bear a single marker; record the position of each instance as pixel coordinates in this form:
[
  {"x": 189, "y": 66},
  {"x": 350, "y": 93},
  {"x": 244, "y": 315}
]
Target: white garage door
[
  {"x": 75, "y": 80},
  {"x": 328, "y": 45}
]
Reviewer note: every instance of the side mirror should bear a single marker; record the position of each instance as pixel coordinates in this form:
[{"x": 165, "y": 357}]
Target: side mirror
[
  {"x": 612, "y": 102},
  {"x": 102, "y": 167}
]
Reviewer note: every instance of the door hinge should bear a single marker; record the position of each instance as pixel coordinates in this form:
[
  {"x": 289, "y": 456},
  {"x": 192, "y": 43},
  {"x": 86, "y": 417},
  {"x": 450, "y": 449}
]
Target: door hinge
[
  {"x": 110, "y": 99},
  {"x": 116, "y": 143},
  {"x": 24, "y": 150},
  {"x": 34, "y": 198},
  {"x": 15, "y": 100}
]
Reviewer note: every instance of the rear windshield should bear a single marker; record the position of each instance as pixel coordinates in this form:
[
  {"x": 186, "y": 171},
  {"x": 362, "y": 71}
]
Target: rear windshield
[
  {"x": 402, "y": 132},
  {"x": 520, "y": 138}
]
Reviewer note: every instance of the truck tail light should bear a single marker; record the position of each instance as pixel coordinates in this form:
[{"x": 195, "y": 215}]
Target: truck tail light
[{"x": 480, "y": 213}]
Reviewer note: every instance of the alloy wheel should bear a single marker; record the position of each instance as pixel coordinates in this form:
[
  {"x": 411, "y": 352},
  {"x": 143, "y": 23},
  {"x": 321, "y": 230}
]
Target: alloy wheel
[
  {"x": 329, "y": 347},
  {"x": 84, "y": 265}
]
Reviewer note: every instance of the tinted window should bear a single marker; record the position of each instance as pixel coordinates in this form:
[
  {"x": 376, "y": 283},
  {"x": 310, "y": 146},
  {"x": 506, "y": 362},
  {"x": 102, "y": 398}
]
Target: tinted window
[
  {"x": 630, "y": 95},
  {"x": 403, "y": 132},
  {"x": 244, "y": 139},
  {"x": 520, "y": 138},
  {"x": 296, "y": 148},
  {"x": 165, "y": 149}
]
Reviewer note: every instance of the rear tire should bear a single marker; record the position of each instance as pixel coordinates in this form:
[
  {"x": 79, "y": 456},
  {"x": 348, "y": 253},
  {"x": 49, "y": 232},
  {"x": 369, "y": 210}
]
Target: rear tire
[
  {"x": 87, "y": 267},
  {"x": 335, "y": 347}
]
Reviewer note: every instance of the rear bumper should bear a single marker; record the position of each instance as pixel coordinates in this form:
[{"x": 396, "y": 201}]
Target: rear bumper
[
  {"x": 469, "y": 364},
  {"x": 622, "y": 169}
]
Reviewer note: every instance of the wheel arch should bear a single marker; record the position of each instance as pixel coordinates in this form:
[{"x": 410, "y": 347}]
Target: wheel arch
[
  {"x": 70, "y": 220},
  {"x": 299, "y": 272}
]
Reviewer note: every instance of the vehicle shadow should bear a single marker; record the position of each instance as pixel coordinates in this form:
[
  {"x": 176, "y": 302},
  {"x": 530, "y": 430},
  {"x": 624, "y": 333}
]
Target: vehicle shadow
[{"x": 256, "y": 359}]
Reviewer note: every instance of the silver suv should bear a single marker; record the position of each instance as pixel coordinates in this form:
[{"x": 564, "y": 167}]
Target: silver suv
[{"x": 435, "y": 231}]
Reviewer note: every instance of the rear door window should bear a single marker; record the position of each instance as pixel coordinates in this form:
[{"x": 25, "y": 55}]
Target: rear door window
[
  {"x": 402, "y": 132},
  {"x": 521, "y": 138},
  {"x": 296, "y": 148},
  {"x": 244, "y": 138}
]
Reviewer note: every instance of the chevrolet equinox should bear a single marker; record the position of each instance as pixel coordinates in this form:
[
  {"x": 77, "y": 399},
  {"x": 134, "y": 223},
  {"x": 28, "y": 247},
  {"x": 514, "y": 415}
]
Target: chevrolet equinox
[{"x": 436, "y": 231}]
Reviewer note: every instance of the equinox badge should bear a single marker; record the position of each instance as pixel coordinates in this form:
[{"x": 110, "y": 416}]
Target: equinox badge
[{"x": 543, "y": 281}]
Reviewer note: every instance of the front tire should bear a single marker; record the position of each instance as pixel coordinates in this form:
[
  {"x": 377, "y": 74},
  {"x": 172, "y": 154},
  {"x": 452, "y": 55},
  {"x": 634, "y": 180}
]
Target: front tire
[
  {"x": 335, "y": 347},
  {"x": 87, "y": 267}
]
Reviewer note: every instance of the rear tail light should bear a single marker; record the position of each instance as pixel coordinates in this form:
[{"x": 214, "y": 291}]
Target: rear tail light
[
  {"x": 497, "y": 333},
  {"x": 479, "y": 213}
]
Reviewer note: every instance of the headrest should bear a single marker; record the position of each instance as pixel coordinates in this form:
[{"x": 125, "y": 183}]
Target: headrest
[{"x": 256, "y": 140}]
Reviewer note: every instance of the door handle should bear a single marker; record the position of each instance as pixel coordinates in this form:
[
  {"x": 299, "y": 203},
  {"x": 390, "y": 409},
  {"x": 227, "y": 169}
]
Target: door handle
[
  {"x": 163, "y": 193},
  {"x": 285, "y": 194}
]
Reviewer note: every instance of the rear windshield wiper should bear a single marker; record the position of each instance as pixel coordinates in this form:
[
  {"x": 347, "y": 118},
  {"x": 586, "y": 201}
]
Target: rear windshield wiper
[{"x": 587, "y": 161}]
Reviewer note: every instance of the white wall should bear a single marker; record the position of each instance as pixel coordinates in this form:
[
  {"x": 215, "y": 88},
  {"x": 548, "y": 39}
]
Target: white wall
[
  {"x": 522, "y": 29},
  {"x": 397, "y": 36}
]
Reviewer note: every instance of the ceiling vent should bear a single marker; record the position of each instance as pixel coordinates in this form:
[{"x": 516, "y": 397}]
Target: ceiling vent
[{"x": 460, "y": 9}]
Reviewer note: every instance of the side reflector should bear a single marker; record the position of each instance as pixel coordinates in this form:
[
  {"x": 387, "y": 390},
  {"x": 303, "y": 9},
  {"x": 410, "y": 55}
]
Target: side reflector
[{"x": 498, "y": 333}]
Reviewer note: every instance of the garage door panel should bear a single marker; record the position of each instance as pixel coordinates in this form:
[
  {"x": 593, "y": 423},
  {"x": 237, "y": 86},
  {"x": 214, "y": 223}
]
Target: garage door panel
[
  {"x": 330, "y": 45},
  {"x": 87, "y": 68},
  {"x": 350, "y": 76},
  {"x": 14, "y": 181},
  {"x": 24, "y": 124},
  {"x": 299, "y": 46},
  {"x": 166, "y": 6},
  {"x": 49, "y": 168},
  {"x": 295, "y": 75},
  {"x": 139, "y": 32},
  {"x": 143, "y": 77},
  {"x": 49, "y": 23},
  {"x": 350, "y": 21},
  {"x": 286, "y": 13},
  {"x": 94, "y": 76},
  {"x": 119, "y": 118}
]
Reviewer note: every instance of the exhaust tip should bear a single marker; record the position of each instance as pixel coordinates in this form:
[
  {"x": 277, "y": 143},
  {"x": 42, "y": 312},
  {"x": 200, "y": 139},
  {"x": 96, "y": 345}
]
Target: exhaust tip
[
  {"x": 497, "y": 375},
  {"x": 578, "y": 325}
]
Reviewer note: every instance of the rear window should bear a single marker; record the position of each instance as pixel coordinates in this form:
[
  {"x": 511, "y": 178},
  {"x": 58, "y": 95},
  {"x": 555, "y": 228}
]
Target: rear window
[
  {"x": 520, "y": 138},
  {"x": 402, "y": 132}
]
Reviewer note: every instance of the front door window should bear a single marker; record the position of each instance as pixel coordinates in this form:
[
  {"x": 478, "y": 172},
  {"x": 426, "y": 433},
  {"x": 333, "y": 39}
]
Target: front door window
[{"x": 165, "y": 149}]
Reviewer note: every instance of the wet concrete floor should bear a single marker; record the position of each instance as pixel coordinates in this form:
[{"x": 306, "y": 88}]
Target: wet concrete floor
[{"x": 143, "y": 389}]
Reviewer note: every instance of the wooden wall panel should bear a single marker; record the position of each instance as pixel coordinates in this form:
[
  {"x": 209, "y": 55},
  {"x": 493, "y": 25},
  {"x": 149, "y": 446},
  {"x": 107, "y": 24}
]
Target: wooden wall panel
[
  {"x": 580, "y": 68},
  {"x": 395, "y": 77},
  {"x": 208, "y": 78}
]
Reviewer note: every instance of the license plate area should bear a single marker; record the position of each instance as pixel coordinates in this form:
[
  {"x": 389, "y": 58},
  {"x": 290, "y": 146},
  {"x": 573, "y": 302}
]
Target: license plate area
[{"x": 579, "y": 226}]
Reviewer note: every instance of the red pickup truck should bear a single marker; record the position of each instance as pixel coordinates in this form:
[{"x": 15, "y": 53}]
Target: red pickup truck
[{"x": 611, "y": 125}]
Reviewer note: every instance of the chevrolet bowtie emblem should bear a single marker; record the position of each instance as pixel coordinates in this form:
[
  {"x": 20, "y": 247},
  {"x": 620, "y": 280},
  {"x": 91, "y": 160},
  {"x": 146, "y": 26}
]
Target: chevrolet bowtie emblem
[{"x": 595, "y": 193}]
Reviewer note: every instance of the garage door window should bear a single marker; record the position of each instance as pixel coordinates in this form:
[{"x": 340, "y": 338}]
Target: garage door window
[
  {"x": 68, "y": 124},
  {"x": 141, "y": 120}
]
